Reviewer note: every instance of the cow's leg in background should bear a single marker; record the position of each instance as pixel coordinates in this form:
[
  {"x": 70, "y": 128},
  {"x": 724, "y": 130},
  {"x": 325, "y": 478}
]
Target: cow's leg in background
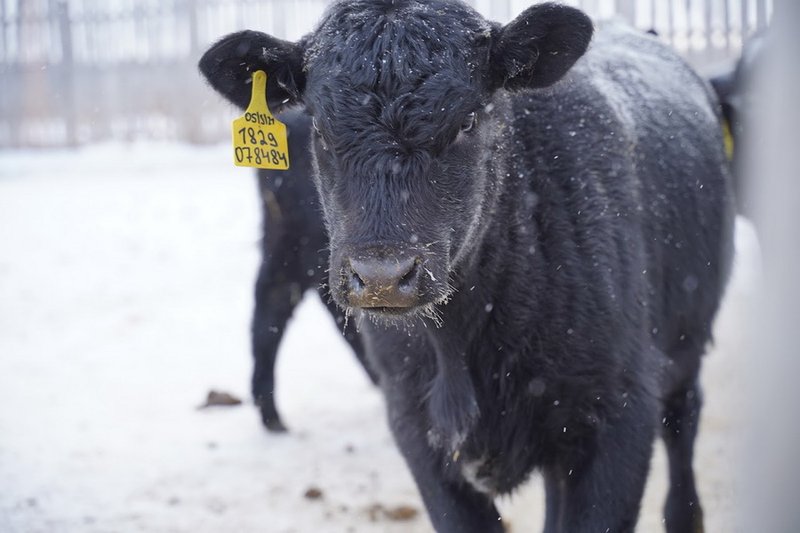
[
  {"x": 276, "y": 296},
  {"x": 682, "y": 511}
]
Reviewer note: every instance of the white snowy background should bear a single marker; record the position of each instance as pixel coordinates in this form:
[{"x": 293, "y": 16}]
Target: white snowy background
[{"x": 126, "y": 276}]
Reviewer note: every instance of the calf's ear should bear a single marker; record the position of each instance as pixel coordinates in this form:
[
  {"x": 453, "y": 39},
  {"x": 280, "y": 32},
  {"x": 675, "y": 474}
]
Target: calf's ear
[
  {"x": 229, "y": 65},
  {"x": 538, "y": 47}
]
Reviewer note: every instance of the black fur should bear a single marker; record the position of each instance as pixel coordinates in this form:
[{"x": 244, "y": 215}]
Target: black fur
[
  {"x": 574, "y": 245},
  {"x": 294, "y": 259}
]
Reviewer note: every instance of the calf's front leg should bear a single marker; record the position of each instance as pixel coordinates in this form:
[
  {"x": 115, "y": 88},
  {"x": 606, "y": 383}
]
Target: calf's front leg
[{"x": 453, "y": 505}]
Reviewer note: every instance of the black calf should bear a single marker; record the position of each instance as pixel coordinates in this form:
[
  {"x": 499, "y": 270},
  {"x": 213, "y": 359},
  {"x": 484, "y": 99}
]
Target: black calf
[{"x": 537, "y": 263}]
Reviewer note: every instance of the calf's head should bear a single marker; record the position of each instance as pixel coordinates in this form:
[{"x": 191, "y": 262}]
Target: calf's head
[{"x": 409, "y": 108}]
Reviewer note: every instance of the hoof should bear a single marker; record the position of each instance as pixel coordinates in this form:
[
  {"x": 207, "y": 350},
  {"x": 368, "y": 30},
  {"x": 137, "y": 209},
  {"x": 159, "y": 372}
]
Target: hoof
[
  {"x": 274, "y": 425},
  {"x": 271, "y": 420}
]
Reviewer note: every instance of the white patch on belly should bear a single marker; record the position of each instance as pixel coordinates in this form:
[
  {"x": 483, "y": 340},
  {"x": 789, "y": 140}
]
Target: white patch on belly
[{"x": 470, "y": 469}]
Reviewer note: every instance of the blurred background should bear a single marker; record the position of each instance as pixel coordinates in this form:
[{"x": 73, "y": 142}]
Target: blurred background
[
  {"x": 72, "y": 72},
  {"x": 129, "y": 245}
]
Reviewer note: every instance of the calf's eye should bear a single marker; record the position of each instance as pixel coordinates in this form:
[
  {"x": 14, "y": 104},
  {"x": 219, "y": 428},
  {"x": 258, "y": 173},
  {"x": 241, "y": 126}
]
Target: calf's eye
[{"x": 469, "y": 122}]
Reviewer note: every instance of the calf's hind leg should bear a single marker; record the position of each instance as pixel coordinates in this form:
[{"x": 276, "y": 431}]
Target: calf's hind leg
[{"x": 682, "y": 512}]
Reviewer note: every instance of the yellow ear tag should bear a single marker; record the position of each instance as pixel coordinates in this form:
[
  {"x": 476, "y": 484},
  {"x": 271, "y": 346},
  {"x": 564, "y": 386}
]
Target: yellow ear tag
[
  {"x": 727, "y": 136},
  {"x": 259, "y": 139}
]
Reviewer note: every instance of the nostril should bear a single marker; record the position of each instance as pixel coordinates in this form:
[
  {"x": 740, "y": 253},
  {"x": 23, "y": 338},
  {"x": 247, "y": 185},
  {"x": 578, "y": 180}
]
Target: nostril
[
  {"x": 408, "y": 278},
  {"x": 356, "y": 283}
]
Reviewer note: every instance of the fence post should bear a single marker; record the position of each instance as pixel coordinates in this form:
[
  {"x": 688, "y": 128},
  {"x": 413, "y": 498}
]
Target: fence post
[
  {"x": 279, "y": 24},
  {"x": 689, "y": 30},
  {"x": 189, "y": 123},
  {"x": 653, "y": 25},
  {"x": 503, "y": 11},
  {"x": 590, "y": 7},
  {"x": 22, "y": 10},
  {"x": 191, "y": 19},
  {"x": 67, "y": 76},
  {"x": 727, "y": 26},
  {"x": 627, "y": 10},
  {"x": 745, "y": 25},
  {"x": 761, "y": 14},
  {"x": 3, "y": 48},
  {"x": 708, "y": 30}
]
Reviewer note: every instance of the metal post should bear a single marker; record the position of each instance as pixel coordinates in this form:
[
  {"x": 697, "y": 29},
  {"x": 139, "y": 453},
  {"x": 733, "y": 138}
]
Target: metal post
[
  {"x": 727, "y": 19},
  {"x": 627, "y": 10},
  {"x": 590, "y": 7},
  {"x": 501, "y": 11},
  {"x": 67, "y": 76},
  {"x": 745, "y": 29},
  {"x": 653, "y": 15},
  {"x": 279, "y": 22},
  {"x": 688, "y": 8},
  {"x": 671, "y": 21},
  {"x": 3, "y": 50},
  {"x": 191, "y": 19},
  {"x": 761, "y": 14},
  {"x": 707, "y": 29},
  {"x": 22, "y": 11}
]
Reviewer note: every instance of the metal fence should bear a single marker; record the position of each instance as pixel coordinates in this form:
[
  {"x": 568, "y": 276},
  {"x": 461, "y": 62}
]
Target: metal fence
[{"x": 81, "y": 71}]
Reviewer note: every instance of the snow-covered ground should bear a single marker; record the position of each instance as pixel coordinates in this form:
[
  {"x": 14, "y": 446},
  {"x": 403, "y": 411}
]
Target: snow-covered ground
[{"x": 125, "y": 295}]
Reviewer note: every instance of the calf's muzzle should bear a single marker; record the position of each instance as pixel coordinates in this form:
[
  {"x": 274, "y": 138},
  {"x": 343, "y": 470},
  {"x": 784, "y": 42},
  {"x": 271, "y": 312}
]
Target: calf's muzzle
[{"x": 382, "y": 282}]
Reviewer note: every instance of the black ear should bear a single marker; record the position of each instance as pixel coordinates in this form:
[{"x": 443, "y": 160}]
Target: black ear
[
  {"x": 228, "y": 66},
  {"x": 724, "y": 85},
  {"x": 538, "y": 47}
]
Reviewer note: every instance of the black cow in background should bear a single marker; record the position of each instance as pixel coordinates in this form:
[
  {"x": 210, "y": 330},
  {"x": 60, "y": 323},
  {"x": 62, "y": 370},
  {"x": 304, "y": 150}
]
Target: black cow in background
[
  {"x": 537, "y": 263},
  {"x": 294, "y": 259},
  {"x": 735, "y": 90}
]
